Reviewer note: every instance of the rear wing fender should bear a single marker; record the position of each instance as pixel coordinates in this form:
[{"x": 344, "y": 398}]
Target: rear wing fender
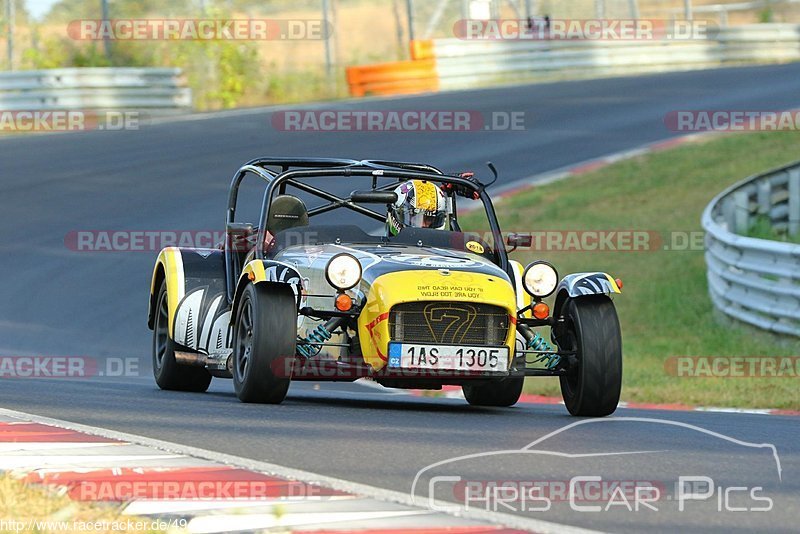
[{"x": 198, "y": 309}]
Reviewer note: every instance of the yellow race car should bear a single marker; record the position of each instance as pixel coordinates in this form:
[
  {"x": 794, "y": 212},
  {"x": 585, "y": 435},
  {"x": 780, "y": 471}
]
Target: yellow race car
[{"x": 310, "y": 287}]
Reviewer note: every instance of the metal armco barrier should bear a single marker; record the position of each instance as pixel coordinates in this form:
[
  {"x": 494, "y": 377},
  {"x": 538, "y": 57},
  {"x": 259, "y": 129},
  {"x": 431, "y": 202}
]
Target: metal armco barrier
[
  {"x": 154, "y": 89},
  {"x": 756, "y": 280},
  {"x": 458, "y": 63}
]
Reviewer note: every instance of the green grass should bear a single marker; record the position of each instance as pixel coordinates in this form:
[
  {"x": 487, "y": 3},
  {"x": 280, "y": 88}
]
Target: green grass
[
  {"x": 762, "y": 229},
  {"x": 665, "y": 308}
]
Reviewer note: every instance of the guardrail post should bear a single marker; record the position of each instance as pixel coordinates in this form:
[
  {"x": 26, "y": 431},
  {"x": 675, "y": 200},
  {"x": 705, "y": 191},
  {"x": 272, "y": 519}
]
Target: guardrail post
[
  {"x": 10, "y": 20},
  {"x": 633, "y": 7},
  {"x": 794, "y": 202},
  {"x": 741, "y": 217},
  {"x": 764, "y": 197},
  {"x": 600, "y": 9},
  {"x": 727, "y": 211}
]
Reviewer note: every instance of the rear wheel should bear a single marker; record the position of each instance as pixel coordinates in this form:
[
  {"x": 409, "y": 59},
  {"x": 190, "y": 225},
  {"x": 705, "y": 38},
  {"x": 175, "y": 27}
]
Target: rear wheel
[
  {"x": 264, "y": 344},
  {"x": 168, "y": 374},
  {"x": 592, "y": 388}
]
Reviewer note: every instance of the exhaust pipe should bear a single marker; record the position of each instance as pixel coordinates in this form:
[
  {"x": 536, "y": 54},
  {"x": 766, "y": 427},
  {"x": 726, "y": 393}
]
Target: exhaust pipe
[{"x": 190, "y": 358}]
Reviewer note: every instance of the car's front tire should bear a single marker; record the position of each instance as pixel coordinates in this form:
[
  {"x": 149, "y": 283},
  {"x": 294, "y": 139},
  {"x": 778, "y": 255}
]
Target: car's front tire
[
  {"x": 264, "y": 342},
  {"x": 503, "y": 393},
  {"x": 592, "y": 331},
  {"x": 168, "y": 373}
]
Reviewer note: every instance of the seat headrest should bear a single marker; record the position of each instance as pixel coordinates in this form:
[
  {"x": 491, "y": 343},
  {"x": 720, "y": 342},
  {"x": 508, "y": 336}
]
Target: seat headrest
[{"x": 286, "y": 211}]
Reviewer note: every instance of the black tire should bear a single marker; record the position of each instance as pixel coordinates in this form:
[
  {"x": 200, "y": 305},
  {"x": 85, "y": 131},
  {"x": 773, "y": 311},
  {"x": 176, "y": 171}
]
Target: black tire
[
  {"x": 168, "y": 374},
  {"x": 264, "y": 341},
  {"x": 592, "y": 331},
  {"x": 503, "y": 393}
]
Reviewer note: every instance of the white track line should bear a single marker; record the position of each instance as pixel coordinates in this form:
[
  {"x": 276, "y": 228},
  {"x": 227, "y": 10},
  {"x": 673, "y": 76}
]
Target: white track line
[
  {"x": 155, "y": 507},
  {"x": 251, "y": 522},
  {"x": 7, "y": 447},
  {"x": 562, "y": 173}
]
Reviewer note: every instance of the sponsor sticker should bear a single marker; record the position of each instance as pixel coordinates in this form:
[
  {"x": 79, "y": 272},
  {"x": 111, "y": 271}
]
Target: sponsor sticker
[{"x": 475, "y": 247}]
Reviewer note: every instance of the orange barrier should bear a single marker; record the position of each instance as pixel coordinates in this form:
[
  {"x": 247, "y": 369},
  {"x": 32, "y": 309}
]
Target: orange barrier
[
  {"x": 398, "y": 77},
  {"x": 422, "y": 49}
]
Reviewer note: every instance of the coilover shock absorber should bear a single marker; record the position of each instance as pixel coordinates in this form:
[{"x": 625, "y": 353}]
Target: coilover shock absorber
[
  {"x": 310, "y": 345},
  {"x": 534, "y": 341}
]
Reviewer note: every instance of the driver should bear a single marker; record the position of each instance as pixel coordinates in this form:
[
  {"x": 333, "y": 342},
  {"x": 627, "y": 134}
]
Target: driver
[{"x": 420, "y": 204}]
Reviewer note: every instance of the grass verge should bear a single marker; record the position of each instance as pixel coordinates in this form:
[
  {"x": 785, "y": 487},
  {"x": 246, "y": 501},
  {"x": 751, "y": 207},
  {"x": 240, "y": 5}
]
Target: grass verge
[
  {"x": 665, "y": 308},
  {"x": 32, "y": 508}
]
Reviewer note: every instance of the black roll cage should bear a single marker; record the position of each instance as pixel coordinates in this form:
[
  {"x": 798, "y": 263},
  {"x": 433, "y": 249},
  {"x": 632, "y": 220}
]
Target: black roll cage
[{"x": 292, "y": 169}]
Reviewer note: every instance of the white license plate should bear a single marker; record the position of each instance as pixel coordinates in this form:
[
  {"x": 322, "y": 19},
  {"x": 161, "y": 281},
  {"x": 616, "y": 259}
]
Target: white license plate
[{"x": 447, "y": 357}]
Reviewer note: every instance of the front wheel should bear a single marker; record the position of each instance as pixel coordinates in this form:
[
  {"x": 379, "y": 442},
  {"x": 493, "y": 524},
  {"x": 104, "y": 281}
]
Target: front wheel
[
  {"x": 502, "y": 393},
  {"x": 592, "y": 387},
  {"x": 264, "y": 342}
]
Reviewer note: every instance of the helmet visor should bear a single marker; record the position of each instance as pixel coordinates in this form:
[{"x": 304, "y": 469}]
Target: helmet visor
[{"x": 422, "y": 219}]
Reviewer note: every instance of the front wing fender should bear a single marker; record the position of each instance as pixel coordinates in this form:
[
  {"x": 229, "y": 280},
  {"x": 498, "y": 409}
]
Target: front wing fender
[
  {"x": 272, "y": 272},
  {"x": 579, "y": 285},
  {"x": 582, "y": 284}
]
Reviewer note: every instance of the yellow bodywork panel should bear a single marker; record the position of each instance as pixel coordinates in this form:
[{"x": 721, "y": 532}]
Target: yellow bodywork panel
[
  {"x": 613, "y": 283},
  {"x": 523, "y": 298},
  {"x": 414, "y": 286},
  {"x": 254, "y": 270},
  {"x": 171, "y": 261}
]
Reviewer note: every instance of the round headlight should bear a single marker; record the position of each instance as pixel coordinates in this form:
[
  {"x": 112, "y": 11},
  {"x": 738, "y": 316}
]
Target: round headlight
[
  {"x": 343, "y": 271},
  {"x": 540, "y": 279}
]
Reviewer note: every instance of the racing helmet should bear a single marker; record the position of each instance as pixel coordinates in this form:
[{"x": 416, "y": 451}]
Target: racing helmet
[{"x": 420, "y": 204}]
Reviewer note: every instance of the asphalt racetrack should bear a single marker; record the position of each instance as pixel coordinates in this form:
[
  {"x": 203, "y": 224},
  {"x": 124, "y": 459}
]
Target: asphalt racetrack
[{"x": 174, "y": 175}]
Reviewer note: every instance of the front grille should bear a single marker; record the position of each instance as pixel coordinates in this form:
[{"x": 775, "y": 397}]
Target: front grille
[{"x": 448, "y": 323}]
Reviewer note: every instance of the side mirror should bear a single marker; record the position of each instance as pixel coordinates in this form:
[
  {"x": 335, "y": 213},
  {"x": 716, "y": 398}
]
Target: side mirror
[
  {"x": 240, "y": 236},
  {"x": 519, "y": 240},
  {"x": 240, "y": 229}
]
